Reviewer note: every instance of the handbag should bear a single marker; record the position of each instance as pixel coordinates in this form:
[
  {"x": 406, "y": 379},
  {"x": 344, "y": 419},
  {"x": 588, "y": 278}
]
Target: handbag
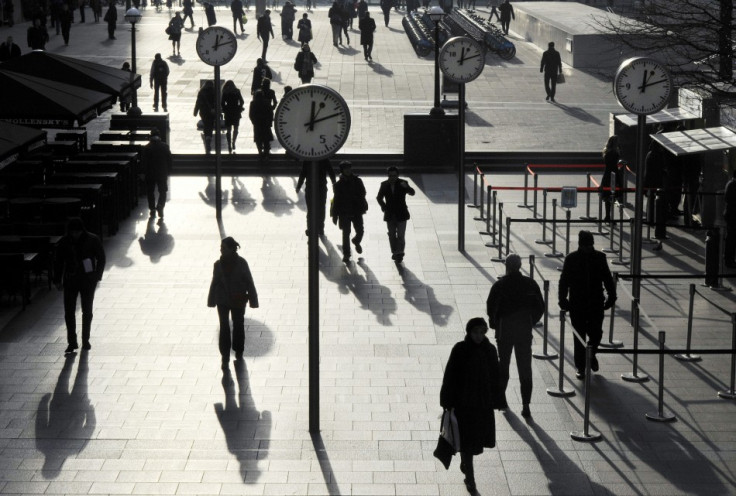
[
  {"x": 560, "y": 78},
  {"x": 449, "y": 441},
  {"x": 245, "y": 19},
  {"x": 168, "y": 30}
]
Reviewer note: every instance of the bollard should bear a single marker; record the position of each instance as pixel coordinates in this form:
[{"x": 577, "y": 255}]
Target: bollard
[
  {"x": 536, "y": 182},
  {"x": 488, "y": 212},
  {"x": 561, "y": 392},
  {"x": 545, "y": 355},
  {"x": 586, "y": 435},
  {"x": 492, "y": 244},
  {"x": 587, "y": 201},
  {"x": 500, "y": 258},
  {"x": 482, "y": 181},
  {"x": 660, "y": 415},
  {"x": 526, "y": 188},
  {"x": 730, "y": 394},
  {"x": 475, "y": 187},
  {"x": 688, "y": 357},
  {"x": 508, "y": 235},
  {"x": 544, "y": 241},
  {"x": 634, "y": 376},
  {"x": 611, "y": 343},
  {"x": 567, "y": 232},
  {"x": 621, "y": 260},
  {"x": 554, "y": 253}
]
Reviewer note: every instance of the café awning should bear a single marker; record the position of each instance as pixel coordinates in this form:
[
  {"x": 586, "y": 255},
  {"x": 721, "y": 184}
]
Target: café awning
[
  {"x": 710, "y": 139},
  {"x": 675, "y": 114},
  {"x": 16, "y": 140}
]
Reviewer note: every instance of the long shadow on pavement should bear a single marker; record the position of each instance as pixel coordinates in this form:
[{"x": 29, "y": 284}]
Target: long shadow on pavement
[{"x": 414, "y": 290}]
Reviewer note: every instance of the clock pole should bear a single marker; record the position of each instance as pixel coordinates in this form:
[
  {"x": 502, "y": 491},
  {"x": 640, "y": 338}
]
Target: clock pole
[
  {"x": 638, "y": 209},
  {"x": 461, "y": 169},
  {"x": 313, "y": 285},
  {"x": 218, "y": 168}
]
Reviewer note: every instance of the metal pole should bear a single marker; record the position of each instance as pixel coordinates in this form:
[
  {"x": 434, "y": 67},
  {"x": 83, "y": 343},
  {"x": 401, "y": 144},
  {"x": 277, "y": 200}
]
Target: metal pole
[
  {"x": 586, "y": 435},
  {"x": 437, "y": 109},
  {"x": 554, "y": 253},
  {"x": 731, "y": 393},
  {"x": 488, "y": 212},
  {"x": 636, "y": 235},
  {"x": 587, "y": 199},
  {"x": 543, "y": 241},
  {"x": 536, "y": 182},
  {"x": 475, "y": 186},
  {"x": 313, "y": 285},
  {"x": 218, "y": 164},
  {"x": 544, "y": 355},
  {"x": 561, "y": 392},
  {"x": 634, "y": 376},
  {"x": 611, "y": 343},
  {"x": 500, "y": 258},
  {"x": 612, "y": 228},
  {"x": 508, "y": 235},
  {"x": 482, "y": 198},
  {"x": 461, "y": 148},
  {"x": 531, "y": 266},
  {"x": 660, "y": 415},
  {"x": 567, "y": 232},
  {"x": 132, "y": 55},
  {"x": 526, "y": 186},
  {"x": 688, "y": 357},
  {"x": 620, "y": 260},
  {"x": 492, "y": 232}
]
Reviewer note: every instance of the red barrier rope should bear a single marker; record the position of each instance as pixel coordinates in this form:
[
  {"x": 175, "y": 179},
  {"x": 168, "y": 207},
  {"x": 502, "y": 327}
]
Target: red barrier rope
[
  {"x": 567, "y": 166},
  {"x": 558, "y": 189}
]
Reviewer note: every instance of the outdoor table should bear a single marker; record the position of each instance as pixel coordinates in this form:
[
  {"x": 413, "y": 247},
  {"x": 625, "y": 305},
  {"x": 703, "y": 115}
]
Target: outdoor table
[
  {"x": 90, "y": 194},
  {"x": 111, "y": 192},
  {"x": 60, "y": 209},
  {"x": 122, "y": 135},
  {"x": 24, "y": 209},
  {"x": 124, "y": 168},
  {"x": 78, "y": 135}
]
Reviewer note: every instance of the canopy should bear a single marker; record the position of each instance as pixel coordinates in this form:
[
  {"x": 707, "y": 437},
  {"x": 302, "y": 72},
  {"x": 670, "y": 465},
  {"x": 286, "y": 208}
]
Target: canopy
[
  {"x": 18, "y": 139},
  {"x": 38, "y": 102},
  {"x": 89, "y": 75},
  {"x": 675, "y": 114},
  {"x": 697, "y": 140}
]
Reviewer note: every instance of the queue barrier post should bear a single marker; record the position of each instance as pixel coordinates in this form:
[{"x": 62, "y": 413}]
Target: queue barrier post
[
  {"x": 488, "y": 212},
  {"x": 492, "y": 231},
  {"x": 536, "y": 184},
  {"x": 531, "y": 266},
  {"x": 500, "y": 258},
  {"x": 554, "y": 253},
  {"x": 612, "y": 230},
  {"x": 611, "y": 342},
  {"x": 634, "y": 376},
  {"x": 545, "y": 355},
  {"x": 621, "y": 260},
  {"x": 650, "y": 217},
  {"x": 544, "y": 240},
  {"x": 526, "y": 188},
  {"x": 482, "y": 181},
  {"x": 561, "y": 392},
  {"x": 688, "y": 357},
  {"x": 661, "y": 415},
  {"x": 586, "y": 435},
  {"x": 567, "y": 232},
  {"x": 508, "y": 235},
  {"x": 600, "y": 232},
  {"x": 587, "y": 215},
  {"x": 475, "y": 187},
  {"x": 730, "y": 394}
]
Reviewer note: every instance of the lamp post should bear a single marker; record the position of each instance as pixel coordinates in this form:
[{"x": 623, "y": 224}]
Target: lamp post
[
  {"x": 133, "y": 15},
  {"x": 437, "y": 14}
]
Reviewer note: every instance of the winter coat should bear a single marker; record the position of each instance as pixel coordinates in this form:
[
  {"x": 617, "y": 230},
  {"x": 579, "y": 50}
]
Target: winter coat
[
  {"x": 393, "y": 203},
  {"x": 584, "y": 275},
  {"x": 69, "y": 264},
  {"x": 232, "y": 285},
  {"x": 304, "y": 64},
  {"x": 305, "y": 30},
  {"x": 514, "y": 293},
  {"x": 156, "y": 160},
  {"x": 349, "y": 198},
  {"x": 367, "y": 26}
]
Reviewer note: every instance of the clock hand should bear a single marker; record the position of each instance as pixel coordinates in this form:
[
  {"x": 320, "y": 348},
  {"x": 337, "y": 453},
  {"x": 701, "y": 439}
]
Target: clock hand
[
  {"x": 462, "y": 55},
  {"x": 226, "y": 43},
  {"x": 311, "y": 118},
  {"x": 643, "y": 82},
  {"x": 313, "y": 122},
  {"x": 217, "y": 41},
  {"x": 653, "y": 83},
  {"x": 472, "y": 56}
]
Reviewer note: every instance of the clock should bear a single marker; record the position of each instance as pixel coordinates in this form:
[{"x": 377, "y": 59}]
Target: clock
[
  {"x": 312, "y": 122},
  {"x": 216, "y": 45},
  {"x": 642, "y": 85},
  {"x": 462, "y": 59}
]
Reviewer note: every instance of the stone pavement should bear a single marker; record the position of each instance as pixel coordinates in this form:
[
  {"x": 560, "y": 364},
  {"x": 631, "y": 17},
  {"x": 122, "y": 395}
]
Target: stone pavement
[{"x": 149, "y": 411}]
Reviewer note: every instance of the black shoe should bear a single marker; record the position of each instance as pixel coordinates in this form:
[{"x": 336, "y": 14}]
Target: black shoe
[
  {"x": 525, "y": 412},
  {"x": 358, "y": 248},
  {"x": 470, "y": 486},
  {"x": 86, "y": 346},
  {"x": 71, "y": 348},
  {"x": 579, "y": 374},
  {"x": 547, "y": 98},
  {"x": 462, "y": 467},
  {"x": 594, "y": 364}
]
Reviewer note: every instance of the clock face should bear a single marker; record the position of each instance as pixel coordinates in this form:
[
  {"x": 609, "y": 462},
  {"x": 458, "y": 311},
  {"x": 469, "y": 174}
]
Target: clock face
[
  {"x": 312, "y": 122},
  {"x": 642, "y": 85},
  {"x": 462, "y": 59},
  {"x": 216, "y": 45}
]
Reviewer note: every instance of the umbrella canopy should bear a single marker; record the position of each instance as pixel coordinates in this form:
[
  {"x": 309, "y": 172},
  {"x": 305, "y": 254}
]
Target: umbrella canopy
[
  {"x": 76, "y": 72},
  {"x": 38, "y": 102},
  {"x": 15, "y": 140}
]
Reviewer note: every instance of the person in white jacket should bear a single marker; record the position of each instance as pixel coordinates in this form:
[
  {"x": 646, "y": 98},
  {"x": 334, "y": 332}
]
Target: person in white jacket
[{"x": 231, "y": 289}]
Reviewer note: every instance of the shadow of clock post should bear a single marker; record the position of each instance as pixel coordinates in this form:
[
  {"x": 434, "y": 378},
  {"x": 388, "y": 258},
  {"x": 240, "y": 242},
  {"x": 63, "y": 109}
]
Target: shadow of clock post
[{"x": 312, "y": 123}]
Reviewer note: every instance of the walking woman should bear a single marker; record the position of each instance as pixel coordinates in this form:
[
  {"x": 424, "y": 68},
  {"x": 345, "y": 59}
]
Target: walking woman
[
  {"x": 305, "y": 29},
  {"x": 176, "y": 24},
  {"x": 231, "y": 289},
  {"x": 304, "y": 64},
  {"x": 261, "y": 115},
  {"x": 111, "y": 18},
  {"x": 367, "y": 26},
  {"x": 470, "y": 387},
  {"x": 611, "y": 157},
  {"x": 232, "y": 107}
]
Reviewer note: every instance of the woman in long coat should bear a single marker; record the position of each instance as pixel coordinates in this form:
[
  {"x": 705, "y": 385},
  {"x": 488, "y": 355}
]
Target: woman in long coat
[
  {"x": 232, "y": 108},
  {"x": 470, "y": 386},
  {"x": 205, "y": 106},
  {"x": 231, "y": 289},
  {"x": 261, "y": 115},
  {"x": 367, "y": 26},
  {"x": 611, "y": 157},
  {"x": 304, "y": 64}
]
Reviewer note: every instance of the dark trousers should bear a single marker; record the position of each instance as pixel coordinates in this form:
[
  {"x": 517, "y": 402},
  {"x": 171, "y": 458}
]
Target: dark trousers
[
  {"x": 191, "y": 19},
  {"x": 357, "y": 223},
  {"x": 238, "y": 337},
  {"x": 729, "y": 254},
  {"x": 86, "y": 290},
  {"x": 515, "y": 334},
  {"x": 65, "y": 29},
  {"x": 321, "y": 210},
  {"x": 466, "y": 465},
  {"x": 589, "y": 324},
  {"x": 264, "y": 39},
  {"x": 367, "y": 50},
  {"x": 505, "y": 25},
  {"x": 237, "y": 20},
  {"x": 111, "y": 30},
  {"x": 550, "y": 84},
  {"x": 396, "y": 236},
  {"x": 151, "y": 185},
  {"x": 159, "y": 86}
]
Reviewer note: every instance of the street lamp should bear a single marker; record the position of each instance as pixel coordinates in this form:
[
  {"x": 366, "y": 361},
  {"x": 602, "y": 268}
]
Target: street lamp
[
  {"x": 436, "y": 14},
  {"x": 133, "y": 15}
]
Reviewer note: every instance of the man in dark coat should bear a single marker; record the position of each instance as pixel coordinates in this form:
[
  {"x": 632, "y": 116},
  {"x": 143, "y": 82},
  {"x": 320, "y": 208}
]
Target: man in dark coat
[
  {"x": 348, "y": 208},
  {"x": 470, "y": 387},
  {"x": 325, "y": 169},
  {"x": 514, "y": 305},
  {"x": 9, "y": 50},
  {"x": 158, "y": 79},
  {"x": 584, "y": 275},
  {"x": 367, "y": 26},
  {"x": 263, "y": 29},
  {"x": 188, "y": 12},
  {"x": 507, "y": 13},
  {"x": 157, "y": 165},
  {"x": 551, "y": 66},
  {"x": 288, "y": 14},
  {"x": 37, "y": 35},
  {"x": 386, "y": 8},
  {"x": 111, "y": 18},
  {"x": 729, "y": 214},
  {"x": 236, "y": 6},
  {"x": 392, "y": 199},
  {"x": 78, "y": 267},
  {"x": 260, "y": 72}
]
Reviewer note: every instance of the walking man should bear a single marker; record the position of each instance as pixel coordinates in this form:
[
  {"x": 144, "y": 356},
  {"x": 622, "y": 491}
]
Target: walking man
[
  {"x": 584, "y": 275},
  {"x": 392, "y": 199},
  {"x": 551, "y": 66},
  {"x": 325, "y": 169},
  {"x": 729, "y": 214},
  {"x": 348, "y": 208},
  {"x": 158, "y": 78},
  {"x": 157, "y": 165},
  {"x": 79, "y": 264},
  {"x": 263, "y": 29},
  {"x": 507, "y": 13},
  {"x": 236, "y": 6},
  {"x": 514, "y": 305}
]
